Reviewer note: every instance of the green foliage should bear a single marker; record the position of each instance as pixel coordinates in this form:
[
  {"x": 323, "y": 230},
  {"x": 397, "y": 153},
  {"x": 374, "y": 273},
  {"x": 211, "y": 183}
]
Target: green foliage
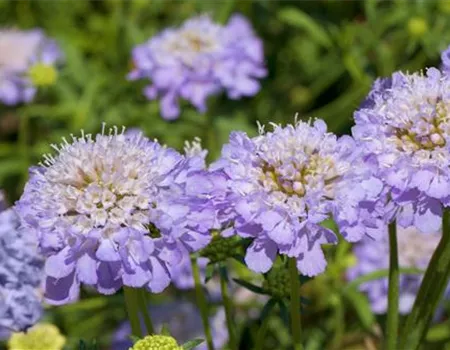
[{"x": 322, "y": 58}]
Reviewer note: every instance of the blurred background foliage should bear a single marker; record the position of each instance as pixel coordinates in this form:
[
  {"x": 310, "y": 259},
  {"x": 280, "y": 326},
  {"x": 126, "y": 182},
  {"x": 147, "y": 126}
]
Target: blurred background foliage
[{"x": 322, "y": 58}]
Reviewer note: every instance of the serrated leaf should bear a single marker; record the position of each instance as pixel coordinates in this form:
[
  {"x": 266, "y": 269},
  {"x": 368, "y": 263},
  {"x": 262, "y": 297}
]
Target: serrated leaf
[
  {"x": 300, "y": 19},
  {"x": 192, "y": 344},
  {"x": 249, "y": 286}
]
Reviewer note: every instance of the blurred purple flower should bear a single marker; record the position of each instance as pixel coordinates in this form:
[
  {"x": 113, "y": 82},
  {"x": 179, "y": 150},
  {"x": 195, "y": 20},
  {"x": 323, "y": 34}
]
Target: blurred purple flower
[
  {"x": 200, "y": 59},
  {"x": 21, "y": 274},
  {"x": 403, "y": 130},
  {"x": 114, "y": 210},
  {"x": 415, "y": 250},
  {"x": 19, "y": 52},
  {"x": 283, "y": 184},
  {"x": 184, "y": 322}
]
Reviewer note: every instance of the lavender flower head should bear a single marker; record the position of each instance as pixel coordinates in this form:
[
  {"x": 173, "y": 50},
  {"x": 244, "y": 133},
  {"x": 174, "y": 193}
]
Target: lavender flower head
[
  {"x": 20, "y": 275},
  {"x": 200, "y": 59},
  {"x": 415, "y": 250},
  {"x": 283, "y": 184},
  {"x": 404, "y": 131},
  {"x": 114, "y": 210},
  {"x": 27, "y": 60}
]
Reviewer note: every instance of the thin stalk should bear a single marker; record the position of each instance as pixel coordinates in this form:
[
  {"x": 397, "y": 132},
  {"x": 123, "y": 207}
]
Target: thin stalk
[
  {"x": 261, "y": 335},
  {"x": 201, "y": 303},
  {"x": 430, "y": 293},
  {"x": 131, "y": 301},
  {"x": 145, "y": 311},
  {"x": 228, "y": 308},
  {"x": 296, "y": 327},
  {"x": 393, "y": 290}
]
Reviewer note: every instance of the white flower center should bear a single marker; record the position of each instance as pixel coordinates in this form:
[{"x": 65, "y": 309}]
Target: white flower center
[
  {"x": 101, "y": 183},
  {"x": 195, "y": 39}
]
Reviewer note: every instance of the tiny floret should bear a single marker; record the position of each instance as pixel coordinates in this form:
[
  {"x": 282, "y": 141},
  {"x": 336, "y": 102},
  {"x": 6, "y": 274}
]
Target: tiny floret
[
  {"x": 200, "y": 59},
  {"x": 43, "y": 336},
  {"x": 403, "y": 129},
  {"x": 156, "y": 342},
  {"x": 283, "y": 184},
  {"x": 113, "y": 210}
]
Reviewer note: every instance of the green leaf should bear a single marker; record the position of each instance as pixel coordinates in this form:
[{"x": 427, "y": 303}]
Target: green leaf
[
  {"x": 361, "y": 306},
  {"x": 300, "y": 19},
  {"x": 249, "y": 286},
  {"x": 192, "y": 344}
]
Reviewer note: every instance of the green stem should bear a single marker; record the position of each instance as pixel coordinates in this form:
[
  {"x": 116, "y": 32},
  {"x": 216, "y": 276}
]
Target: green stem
[
  {"x": 145, "y": 311},
  {"x": 393, "y": 290},
  {"x": 228, "y": 308},
  {"x": 261, "y": 336},
  {"x": 432, "y": 288},
  {"x": 296, "y": 327},
  {"x": 201, "y": 303},
  {"x": 131, "y": 301}
]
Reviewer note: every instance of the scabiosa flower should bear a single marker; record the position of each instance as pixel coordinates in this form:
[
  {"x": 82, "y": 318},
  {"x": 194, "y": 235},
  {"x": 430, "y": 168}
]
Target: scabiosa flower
[
  {"x": 415, "y": 250},
  {"x": 27, "y": 61},
  {"x": 41, "y": 336},
  {"x": 200, "y": 59},
  {"x": 284, "y": 183},
  {"x": 113, "y": 210},
  {"x": 21, "y": 274},
  {"x": 184, "y": 323},
  {"x": 404, "y": 131}
]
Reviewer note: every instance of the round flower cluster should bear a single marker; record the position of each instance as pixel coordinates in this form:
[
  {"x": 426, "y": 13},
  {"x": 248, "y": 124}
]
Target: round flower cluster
[
  {"x": 183, "y": 321},
  {"x": 43, "y": 336},
  {"x": 414, "y": 249},
  {"x": 200, "y": 59},
  {"x": 278, "y": 283},
  {"x": 221, "y": 248},
  {"x": 27, "y": 60},
  {"x": 114, "y": 210},
  {"x": 283, "y": 184},
  {"x": 404, "y": 130},
  {"x": 20, "y": 275},
  {"x": 156, "y": 342}
]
